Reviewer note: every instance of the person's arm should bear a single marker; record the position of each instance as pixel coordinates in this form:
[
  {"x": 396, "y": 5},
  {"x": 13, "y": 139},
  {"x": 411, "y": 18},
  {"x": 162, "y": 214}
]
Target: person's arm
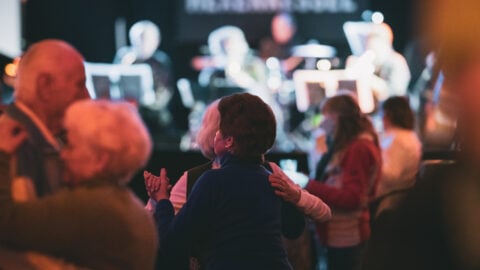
[
  {"x": 399, "y": 78},
  {"x": 291, "y": 63},
  {"x": 357, "y": 168},
  {"x": 312, "y": 206},
  {"x": 192, "y": 221},
  {"x": 45, "y": 225},
  {"x": 293, "y": 221},
  {"x": 178, "y": 195}
]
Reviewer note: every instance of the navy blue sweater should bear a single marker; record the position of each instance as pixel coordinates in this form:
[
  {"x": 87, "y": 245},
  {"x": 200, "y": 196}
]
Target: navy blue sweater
[{"x": 235, "y": 217}]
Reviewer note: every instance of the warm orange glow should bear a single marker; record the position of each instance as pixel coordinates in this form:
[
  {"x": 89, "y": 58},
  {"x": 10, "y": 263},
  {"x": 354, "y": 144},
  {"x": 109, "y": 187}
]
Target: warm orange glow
[{"x": 11, "y": 69}]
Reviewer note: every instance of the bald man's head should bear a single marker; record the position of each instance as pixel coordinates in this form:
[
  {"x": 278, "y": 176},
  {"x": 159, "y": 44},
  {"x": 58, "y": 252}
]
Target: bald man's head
[{"x": 50, "y": 77}]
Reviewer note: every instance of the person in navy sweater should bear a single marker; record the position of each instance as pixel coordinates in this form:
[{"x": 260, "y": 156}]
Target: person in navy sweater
[{"x": 232, "y": 213}]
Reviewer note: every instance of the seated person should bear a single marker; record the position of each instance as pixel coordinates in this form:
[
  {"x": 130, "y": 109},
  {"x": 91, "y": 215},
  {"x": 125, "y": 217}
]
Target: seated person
[
  {"x": 232, "y": 212},
  {"x": 401, "y": 152},
  {"x": 145, "y": 38},
  {"x": 390, "y": 69},
  {"x": 98, "y": 223},
  {"x": 281, "y": 43}
]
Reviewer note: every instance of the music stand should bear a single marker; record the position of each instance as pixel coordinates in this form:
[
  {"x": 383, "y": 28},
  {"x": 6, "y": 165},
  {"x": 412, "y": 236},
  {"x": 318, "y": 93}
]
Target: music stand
[
  {"x": 119, "y": 81},
  {"x": 313, "y": 86}
]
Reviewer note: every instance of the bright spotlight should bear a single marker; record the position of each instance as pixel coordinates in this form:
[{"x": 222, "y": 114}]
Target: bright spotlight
[
  {"x": 377, "y": 17},
  {"x": 324, "y": 65}
]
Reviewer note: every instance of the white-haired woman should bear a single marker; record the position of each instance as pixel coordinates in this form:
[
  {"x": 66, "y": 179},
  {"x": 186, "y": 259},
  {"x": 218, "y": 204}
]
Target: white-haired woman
[
  {"x": 98, "y": 223},
  {"x": 310, "y": 205}
]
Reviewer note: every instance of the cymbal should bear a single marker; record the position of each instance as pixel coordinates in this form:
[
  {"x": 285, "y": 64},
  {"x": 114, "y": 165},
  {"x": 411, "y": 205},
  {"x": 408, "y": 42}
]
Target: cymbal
[{"x": 314, "y": 51}]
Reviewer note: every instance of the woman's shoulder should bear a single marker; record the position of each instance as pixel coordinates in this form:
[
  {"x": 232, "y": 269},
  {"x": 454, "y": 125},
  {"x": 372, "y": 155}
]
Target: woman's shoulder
[
  {"x": 363, "y": 140},
  {"x": 362, "y": 145},
  {"x": 407, "y": 135}
]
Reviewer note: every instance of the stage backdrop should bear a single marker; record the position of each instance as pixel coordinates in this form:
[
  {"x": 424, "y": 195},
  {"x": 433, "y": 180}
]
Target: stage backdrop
[{"x": 317, "y": 19}]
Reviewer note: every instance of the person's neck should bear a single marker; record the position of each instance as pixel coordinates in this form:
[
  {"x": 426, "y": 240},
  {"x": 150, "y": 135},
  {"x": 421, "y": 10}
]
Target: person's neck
[
  {"x": 51, "y": 122},
  {"x": 41, "y": 114}
]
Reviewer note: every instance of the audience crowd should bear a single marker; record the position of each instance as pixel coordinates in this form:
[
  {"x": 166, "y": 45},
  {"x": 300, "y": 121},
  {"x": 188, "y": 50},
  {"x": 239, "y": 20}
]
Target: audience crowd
[{"x": 66, "y": 161}]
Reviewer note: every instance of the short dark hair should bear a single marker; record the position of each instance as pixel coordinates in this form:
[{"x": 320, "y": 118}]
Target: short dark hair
[
  {"x": 250, "y": 122},
  {"x": 398, "y": 111}
]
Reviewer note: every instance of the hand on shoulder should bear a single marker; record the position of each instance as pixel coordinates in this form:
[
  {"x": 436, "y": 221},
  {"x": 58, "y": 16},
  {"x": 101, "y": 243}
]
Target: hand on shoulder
[{"x": 12, "y": 134}]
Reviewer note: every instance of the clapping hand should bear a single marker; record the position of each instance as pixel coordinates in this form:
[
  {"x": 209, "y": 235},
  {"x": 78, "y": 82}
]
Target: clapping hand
[{"x": 158, "y": 187}]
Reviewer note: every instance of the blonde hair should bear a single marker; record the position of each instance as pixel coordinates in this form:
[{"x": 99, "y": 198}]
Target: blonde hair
[
  {"x": 206, "y": 133},
  {"x": 114, "y": 128}
]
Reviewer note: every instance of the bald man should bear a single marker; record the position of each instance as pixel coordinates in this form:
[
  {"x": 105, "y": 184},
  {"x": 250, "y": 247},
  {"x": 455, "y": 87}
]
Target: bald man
[{"x": 50, "y": 77}]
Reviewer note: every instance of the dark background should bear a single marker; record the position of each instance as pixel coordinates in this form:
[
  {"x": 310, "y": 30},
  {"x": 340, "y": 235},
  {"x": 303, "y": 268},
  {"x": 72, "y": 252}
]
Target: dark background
[{"x": 89, "y": 25}]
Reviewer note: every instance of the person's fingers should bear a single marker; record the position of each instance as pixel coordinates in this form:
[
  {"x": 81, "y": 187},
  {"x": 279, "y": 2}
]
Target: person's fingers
[
  {"x": 280, "y": 184},
  {"x": 146, "y": 177},
  {"x": 277, "y": 170},
  {"x": 276, "y": 178},
  {"x": 272, "y": 178},
  {"x": 164, "y": 182},
  {"x": 155, "y": 185},
  {"x": 280, "y": 193},
  {"x": 282, "y": 176},
  {"x": 149, "y": 180},
  {"x": 275, "y": 167},
  {"x": 276, "y": 186},
  {"x": 163, "y": 174}
]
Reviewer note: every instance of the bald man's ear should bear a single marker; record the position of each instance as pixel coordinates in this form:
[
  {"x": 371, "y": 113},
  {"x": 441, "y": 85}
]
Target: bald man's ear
[{"x": 44, "y": 83}]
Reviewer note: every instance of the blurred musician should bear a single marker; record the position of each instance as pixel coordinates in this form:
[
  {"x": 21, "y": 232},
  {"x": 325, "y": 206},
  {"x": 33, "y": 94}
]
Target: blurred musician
[
  {"x": 390, "y": 69},
  {"x": 281, "y": 42}
]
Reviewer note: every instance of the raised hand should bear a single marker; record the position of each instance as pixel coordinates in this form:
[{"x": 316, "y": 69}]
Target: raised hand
[
  {"x": 151, "y": 182},
  {"x": 158, "y": 187}
]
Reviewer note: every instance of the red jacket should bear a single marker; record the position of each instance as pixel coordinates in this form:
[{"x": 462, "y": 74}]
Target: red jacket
[{"x": 351, "y": 179}]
